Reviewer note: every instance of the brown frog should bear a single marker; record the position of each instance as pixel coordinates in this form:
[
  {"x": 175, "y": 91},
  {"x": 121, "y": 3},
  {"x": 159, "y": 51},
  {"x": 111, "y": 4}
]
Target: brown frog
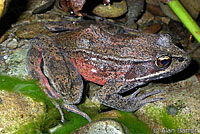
[{"x": 107, "y": 55}]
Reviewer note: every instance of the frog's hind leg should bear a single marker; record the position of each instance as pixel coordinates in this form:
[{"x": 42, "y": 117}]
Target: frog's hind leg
[
  {"x": 110, "y": 95},
  {"x": 33, "y": 62},
  {"x": 62, "y": 74}
]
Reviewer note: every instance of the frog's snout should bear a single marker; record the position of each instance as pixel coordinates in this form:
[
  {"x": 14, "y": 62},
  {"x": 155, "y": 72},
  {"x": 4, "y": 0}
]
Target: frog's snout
[{"x": 185, "y": 59}]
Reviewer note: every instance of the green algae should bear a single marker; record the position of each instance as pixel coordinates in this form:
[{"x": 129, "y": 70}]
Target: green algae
[
  {"x": 134, "y": 125},
  {"x": 30, "y": 128},
  {"x": 73, "y": 122},
  {"x": 29, "y": 88},
  {"x": 169, "y": 123},
  {"x": 51, "y": 118},
  {"x": 128, "y": 121},
  {"x": 174, "y": 123},
  {"x": 47, "y": 121}
]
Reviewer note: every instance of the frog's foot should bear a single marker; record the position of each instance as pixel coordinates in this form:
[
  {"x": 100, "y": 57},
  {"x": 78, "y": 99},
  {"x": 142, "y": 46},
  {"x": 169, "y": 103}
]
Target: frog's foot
[
  {"x": 142, "y": 99},
  {"x": 110, "y": 95},
  {"x": 60, "y": 110},
  {"x": 74, "y": 109},
  {"x": 71, "y": 108}
]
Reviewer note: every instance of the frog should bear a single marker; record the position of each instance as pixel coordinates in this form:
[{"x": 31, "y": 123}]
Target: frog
[{"x": 109, "y": 55}]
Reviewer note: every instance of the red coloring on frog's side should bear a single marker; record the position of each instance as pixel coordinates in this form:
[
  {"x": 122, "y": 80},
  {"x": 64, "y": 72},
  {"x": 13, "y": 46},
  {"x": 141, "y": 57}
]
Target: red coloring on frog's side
[
  {"x": 88, "y": 71},
  {"x": 96, "y": 72}
]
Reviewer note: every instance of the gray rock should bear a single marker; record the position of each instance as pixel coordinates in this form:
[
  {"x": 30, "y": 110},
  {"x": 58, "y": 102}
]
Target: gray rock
[{"x": 102, "y": 127}]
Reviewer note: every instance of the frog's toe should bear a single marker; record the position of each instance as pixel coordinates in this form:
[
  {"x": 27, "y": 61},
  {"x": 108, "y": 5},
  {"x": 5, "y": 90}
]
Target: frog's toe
[
  {"x": 145, "y": 101},
  {"x": 145, "y": 95},
  {"x": 139, "y": 101},
  {"x": 149, "y": 94},
  {"x": 59, "y": 109},
  {"x": 75, "y": 109},
  {"x": 135, "y": 93}
]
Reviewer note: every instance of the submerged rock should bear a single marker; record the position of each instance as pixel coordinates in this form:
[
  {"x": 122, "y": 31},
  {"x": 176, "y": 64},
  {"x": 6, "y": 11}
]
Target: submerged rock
[
  {"x": 102, "y": 127},
  {"x": 18, "y": 110}
]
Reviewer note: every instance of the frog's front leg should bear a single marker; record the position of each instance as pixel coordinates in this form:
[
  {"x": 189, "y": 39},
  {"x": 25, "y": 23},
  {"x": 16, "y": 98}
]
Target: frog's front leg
[{"x": 109, "y": 95}]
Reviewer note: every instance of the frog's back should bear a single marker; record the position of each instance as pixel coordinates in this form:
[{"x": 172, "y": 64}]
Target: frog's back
[
  {"x": 96, "y": 40},
  {"x": 100, "y": 56}
]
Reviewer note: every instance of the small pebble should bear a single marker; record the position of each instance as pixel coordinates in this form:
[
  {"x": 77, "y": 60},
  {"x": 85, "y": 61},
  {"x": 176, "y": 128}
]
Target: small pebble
[
  {"x": 12, "y": 43},
  {"x": 5, "y": 57},
  {"x": 172, "y": 110}
]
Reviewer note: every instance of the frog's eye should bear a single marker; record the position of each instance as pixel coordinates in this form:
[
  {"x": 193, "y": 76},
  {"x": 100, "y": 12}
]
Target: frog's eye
[{"x": 163, "y": 61}]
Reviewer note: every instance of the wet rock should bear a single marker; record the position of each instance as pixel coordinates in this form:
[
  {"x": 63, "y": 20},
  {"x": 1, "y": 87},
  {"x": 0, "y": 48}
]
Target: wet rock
[
  {"x": 13, "y": 57},
  {"x": 183, "y": 34},
  {"x": 152, "y": 2},
  {"x": 43, "y": 6},
  {"x": 102, "y": 127},
  {"x": 154, "y": 28},
  {"x": 29, "y": 31},
  {"x": 172, "y": 110},
  {"x": 2, "y": 7},
  {"x": 155, "y": 10},
  {"x": 146, "y": 18},
  {"x": 11, "y": 43},
  {"x": 17, "y": 110},
  {"x": 183, "y": 99},
  {"x": 135, "y": 8},
  {"x": 111, "y": 11}
]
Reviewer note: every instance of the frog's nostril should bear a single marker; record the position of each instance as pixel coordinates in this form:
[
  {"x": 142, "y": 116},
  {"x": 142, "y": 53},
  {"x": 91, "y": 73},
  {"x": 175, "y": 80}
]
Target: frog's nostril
[{"x": 180, "y": 59}]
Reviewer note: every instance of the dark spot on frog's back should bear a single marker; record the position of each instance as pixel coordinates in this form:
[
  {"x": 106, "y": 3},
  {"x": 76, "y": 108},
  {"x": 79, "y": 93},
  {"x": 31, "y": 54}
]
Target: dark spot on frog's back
[
  {"x": 126, "y": 51},
  {"x": 92, "y": 43}
]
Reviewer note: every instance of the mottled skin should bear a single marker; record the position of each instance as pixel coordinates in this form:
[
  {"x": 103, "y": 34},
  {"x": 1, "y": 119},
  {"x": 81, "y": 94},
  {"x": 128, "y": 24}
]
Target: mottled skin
[{"x": 107, "y": 55}]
